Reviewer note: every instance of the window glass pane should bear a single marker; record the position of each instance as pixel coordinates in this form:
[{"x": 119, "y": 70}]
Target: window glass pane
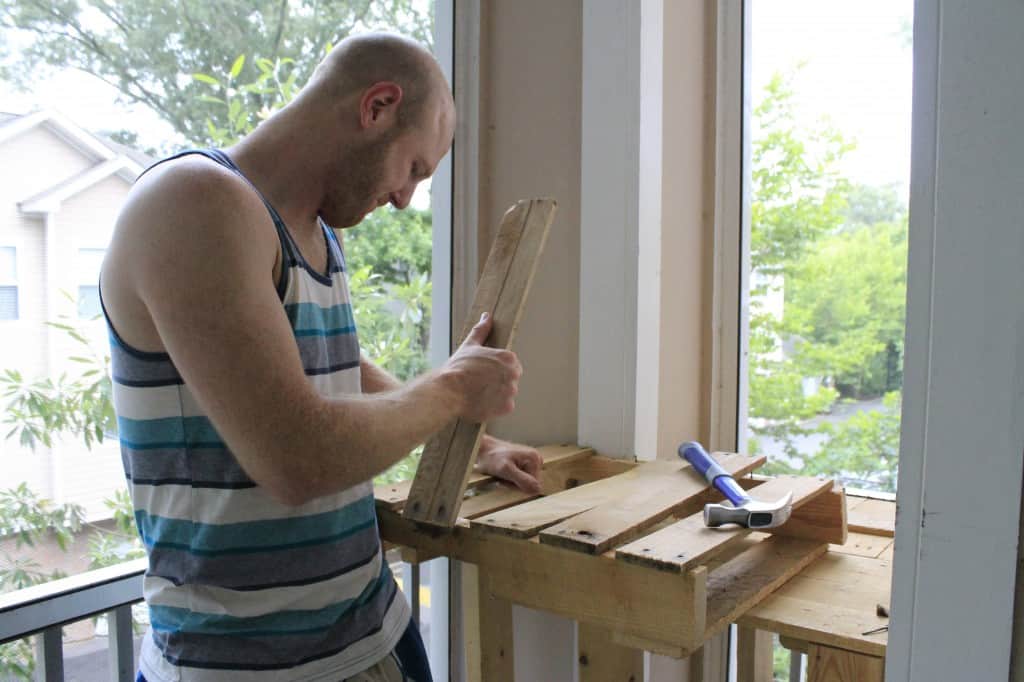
[
  {"x": 89, "y": 301},
  {"x": 72, "y": 478},
  {"x": 830, "y": 157},
  {"x": 89, "y": 262},
  {"x": 8, "y": 265},
  {"x": 8, "y": 302}
]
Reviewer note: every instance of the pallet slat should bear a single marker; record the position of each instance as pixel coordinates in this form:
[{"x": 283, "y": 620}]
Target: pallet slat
[
  {"x": 393, "y": 495},
  {"x": 526, "y": 519},
  {"x": 620, "y": 519},
  {"x": 440, "y": 481},
  {"x": 688, "y": 542}
]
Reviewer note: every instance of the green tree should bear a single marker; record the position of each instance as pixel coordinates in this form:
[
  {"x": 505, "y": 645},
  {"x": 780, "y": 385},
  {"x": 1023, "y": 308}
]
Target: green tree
[
  {"x": 827, "y": 299},
  {"x": 142, "y": 47}
]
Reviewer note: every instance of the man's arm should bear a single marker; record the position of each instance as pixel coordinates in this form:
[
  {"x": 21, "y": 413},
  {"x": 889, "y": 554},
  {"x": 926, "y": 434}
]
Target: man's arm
[
  {"x": 191, "y": 245},
  {"x": 518, "y": 464},
  {"x": 374, "y": 378}
]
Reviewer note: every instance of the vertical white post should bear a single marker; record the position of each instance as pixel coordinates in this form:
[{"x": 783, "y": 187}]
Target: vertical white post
[{"x": 962, "y": 433}]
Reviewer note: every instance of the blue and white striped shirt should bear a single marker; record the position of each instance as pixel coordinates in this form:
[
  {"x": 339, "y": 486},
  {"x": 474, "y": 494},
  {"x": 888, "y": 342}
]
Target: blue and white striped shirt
[{"x": 240, "y": 586}]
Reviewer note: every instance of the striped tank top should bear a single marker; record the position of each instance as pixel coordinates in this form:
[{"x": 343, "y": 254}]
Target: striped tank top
[{"x": 238, "y": 585}]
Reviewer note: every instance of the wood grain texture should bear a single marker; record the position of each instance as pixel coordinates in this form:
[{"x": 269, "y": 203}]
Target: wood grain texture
[
  {"x": 602, "y": 659},
  {"x": 831, "y": 602},
  {"x": 437, "y": 490},
  {"x": 826, "y": 664},
  {"x": 624, "y": 517},
  {"x": 739, "y": 584},
  {"x": 393, "y": 495},
  {"x": 496, "y": 635},
  {"x": 527, "y": 519},
  {"x": 874, "y": 517},
  {"x": 689, "y": 542},
  {"x": 754, "y": 658},
  {"x": 821, "y": 518}
]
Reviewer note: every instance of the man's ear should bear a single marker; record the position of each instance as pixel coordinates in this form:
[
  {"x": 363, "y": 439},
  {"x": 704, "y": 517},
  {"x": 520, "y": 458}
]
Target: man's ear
[{"x": 378, "y": 107}]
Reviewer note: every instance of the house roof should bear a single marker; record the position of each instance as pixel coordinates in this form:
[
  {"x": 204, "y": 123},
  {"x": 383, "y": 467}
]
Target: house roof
[{"x": 109, "y": 157}]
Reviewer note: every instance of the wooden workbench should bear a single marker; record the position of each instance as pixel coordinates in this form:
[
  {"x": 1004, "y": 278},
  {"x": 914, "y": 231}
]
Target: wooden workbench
[
  {"x": 825, "y": 609},
  {"x": 669, "y": 605}
]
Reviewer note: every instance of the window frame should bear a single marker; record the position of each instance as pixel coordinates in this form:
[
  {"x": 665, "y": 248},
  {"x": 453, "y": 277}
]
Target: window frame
[{"x": 14, "y": 283}]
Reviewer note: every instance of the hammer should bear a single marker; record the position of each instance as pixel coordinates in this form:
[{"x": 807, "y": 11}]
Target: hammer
[{"x": 744, "y": 511}]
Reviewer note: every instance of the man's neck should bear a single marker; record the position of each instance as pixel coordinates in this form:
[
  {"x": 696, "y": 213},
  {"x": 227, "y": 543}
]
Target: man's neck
[{"x": 286, "y": 168}]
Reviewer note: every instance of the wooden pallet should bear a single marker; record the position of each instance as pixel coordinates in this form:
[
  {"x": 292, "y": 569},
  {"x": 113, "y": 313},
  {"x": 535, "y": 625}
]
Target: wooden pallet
[{"x": 622, "y": 545}]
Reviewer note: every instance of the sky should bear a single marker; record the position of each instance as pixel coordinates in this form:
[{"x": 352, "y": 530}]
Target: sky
[{"x": 857, "y": 72}]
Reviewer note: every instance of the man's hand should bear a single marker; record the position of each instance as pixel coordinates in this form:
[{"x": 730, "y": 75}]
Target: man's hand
[
  {"x": 484, "y": 380},
  {"x": 518, "y": 464}
]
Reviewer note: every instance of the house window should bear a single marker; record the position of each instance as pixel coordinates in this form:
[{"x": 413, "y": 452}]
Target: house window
[
  {"x": 8, "y": 283},
  {"x": 89, "y": 262},
  {"x": 829, "y": 170}
]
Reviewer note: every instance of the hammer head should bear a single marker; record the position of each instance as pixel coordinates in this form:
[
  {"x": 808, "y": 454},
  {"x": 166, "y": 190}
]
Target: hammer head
[{"x": 750, "y": 514}]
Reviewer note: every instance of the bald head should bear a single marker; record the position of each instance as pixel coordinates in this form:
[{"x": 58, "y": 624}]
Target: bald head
[{"x": 359, "y": 62}]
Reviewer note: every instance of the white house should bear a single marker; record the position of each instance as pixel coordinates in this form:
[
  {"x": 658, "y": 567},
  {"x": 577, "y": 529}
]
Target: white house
[{"x": 60, "y": 190}]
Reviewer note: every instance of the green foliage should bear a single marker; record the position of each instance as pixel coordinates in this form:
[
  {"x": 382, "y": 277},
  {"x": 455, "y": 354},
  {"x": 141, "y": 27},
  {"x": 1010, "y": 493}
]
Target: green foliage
[
  {"x": 110, "y": 547},
  {"x": 797, "y": 193},
  {"x": 40, "y": 409},
  {"x": 233, "y": 115},
  {"x": 864, "y": 447},
  {"x": 142, "y": 47},
  {"x": 17, "y": 660},
  {"x": 396, "y": 245},
  {"x": 827, "y": 301}
]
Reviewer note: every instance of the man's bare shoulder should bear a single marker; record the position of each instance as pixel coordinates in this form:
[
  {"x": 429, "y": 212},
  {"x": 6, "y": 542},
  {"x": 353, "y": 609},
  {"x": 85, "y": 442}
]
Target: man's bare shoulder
[
  {"x": 186, "y": 224},
  {"x": 188, "y": 195}
]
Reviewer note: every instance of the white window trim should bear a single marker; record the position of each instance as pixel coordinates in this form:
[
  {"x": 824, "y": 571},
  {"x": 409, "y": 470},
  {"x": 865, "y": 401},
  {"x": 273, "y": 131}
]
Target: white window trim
[{"x": 962, "y": 432}]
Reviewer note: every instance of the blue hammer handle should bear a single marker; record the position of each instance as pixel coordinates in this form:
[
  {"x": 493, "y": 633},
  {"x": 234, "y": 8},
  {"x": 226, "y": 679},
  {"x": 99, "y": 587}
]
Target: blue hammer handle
[{"x": 695, "y": 454}]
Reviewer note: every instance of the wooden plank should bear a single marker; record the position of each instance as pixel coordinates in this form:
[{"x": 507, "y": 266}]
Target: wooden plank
[
  {"x": 555, "y": 477},
  {"x": 525, "y": 520},
  {"x": 602, "y": 659},
  {"x": 496, "y": 638},
  {"x": 741, "y": 583},
  {"x": 754, "y": 656},
  {"x": 875, "y": 517},
  {"x": 832, "y": 602},
  {"x": 437, "y": 490},
  {"x": 394, "y": 495},
  {"x": 826, "y": 664},
  {"x": 622, "y": 518},
  {"x": 595, "y": 589},
  {"x": 654, "y": 646},
  {"x": 689, "y": 542},
  {"x": 821, "y": 518},
  {"x": 861, "y": 544}
]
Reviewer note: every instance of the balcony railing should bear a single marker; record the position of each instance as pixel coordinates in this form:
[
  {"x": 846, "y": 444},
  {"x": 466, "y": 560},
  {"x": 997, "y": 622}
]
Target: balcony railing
[{"x": 45, "y": 609}]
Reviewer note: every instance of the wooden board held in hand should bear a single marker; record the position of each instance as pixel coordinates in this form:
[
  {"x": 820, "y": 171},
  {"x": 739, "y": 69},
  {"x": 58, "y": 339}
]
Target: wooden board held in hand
[{"x": 448, "y": 456}]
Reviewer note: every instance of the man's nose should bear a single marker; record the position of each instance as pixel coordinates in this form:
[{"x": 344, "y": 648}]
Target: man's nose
[{"x": 402, "y": 198}]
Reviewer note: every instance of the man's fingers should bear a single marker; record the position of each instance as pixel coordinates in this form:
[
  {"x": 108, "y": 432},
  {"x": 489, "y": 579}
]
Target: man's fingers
[
  {"x": 478, "y": 334},
  {"x": 530, "y": 462},
  {"x": 521, "y": 479}
]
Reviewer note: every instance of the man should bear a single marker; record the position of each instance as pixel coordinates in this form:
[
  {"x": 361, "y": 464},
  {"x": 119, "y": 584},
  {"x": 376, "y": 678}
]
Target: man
[{"x": 251, "y": 425}]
